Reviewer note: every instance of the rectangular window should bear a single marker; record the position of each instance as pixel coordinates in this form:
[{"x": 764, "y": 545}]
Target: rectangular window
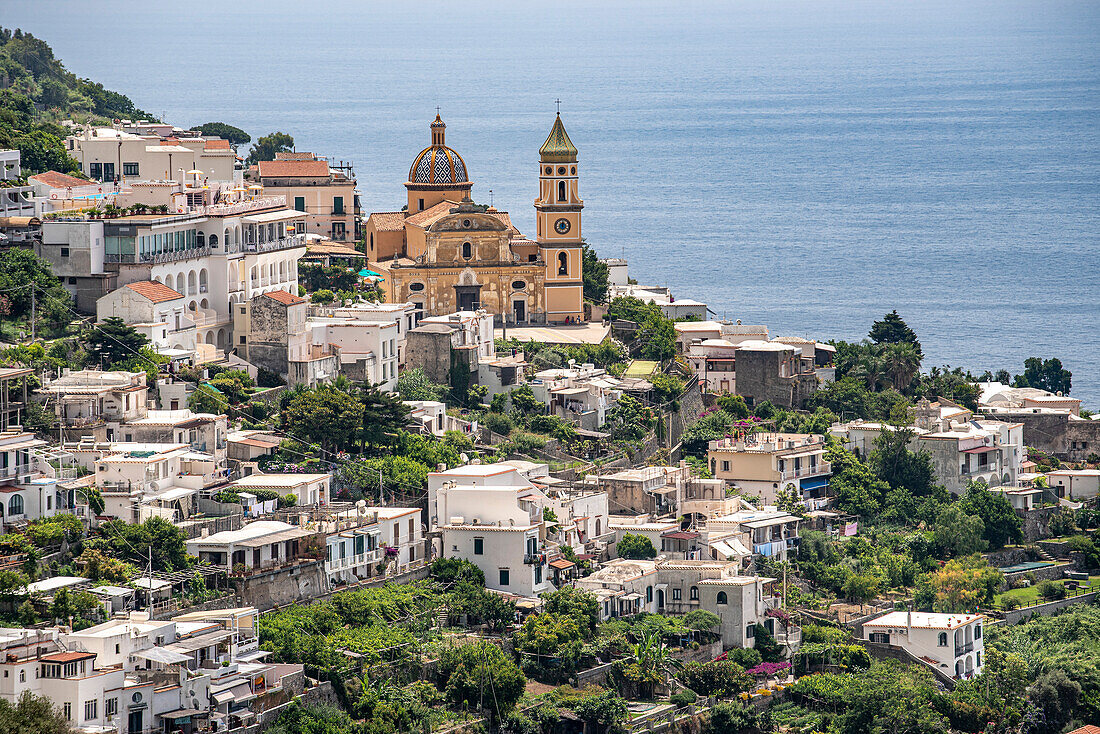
[
  {"x": 750, "y": 631},
  {"x": 110, "y": 707},
  {"x": 95, "y": 170},
  {"x": 337, "y": 205},
  {"x": 67, "y": 708},
  {"x": 504, "y": 577},
  {"x": 64, "y": 252},
  {"x": 725, "y": 466},
  {"x": 300, "y": 203},
  {"x": 339, "y": 230},
  {"x": 91, "y": 709},
  {"x": 675, "y": 595},
  {"x": 538, "y": 574},
  {"x": 130, "y": 169},
  {"x": 479, "y": 546}
]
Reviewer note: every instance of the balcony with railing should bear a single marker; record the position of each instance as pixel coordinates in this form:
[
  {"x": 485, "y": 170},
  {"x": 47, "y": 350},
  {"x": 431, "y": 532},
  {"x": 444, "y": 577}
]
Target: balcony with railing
[
  {"x": 812, "y": 470},
  {"x": 282, "y": 243},
  {"x": 963, "y": 649}
]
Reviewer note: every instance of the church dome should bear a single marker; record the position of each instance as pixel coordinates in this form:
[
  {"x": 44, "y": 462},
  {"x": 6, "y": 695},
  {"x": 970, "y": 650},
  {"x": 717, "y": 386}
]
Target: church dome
[{"x": 438, "y": 165}]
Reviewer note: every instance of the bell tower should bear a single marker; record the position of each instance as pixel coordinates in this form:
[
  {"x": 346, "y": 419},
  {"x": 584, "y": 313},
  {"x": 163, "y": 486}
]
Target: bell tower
[{"x": 558, "y": 226}]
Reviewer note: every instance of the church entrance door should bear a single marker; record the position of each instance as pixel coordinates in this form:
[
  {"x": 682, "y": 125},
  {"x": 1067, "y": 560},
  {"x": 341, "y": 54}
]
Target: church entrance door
[
  {"x": 519, "y": 310},
  {"x": 469, "y": 297}
]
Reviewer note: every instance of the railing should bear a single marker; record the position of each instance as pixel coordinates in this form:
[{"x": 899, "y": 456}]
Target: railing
[
  {"x": 534, "y": 559},
  {"x": 284, "y": 243},
  {"x": 13, "y": 471},
  {"x": 806, "y": 471},
  {"x": 962, "y": 650}
]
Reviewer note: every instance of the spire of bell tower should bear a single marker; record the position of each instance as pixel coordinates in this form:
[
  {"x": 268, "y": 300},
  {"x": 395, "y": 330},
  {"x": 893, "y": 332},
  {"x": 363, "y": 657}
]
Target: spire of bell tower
[
  {"x": 439, "y": 129},
  {"x": 558, "y": 148}
]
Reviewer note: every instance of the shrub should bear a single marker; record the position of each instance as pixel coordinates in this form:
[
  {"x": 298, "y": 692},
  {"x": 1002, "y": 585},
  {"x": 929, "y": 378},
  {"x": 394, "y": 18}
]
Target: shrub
[
  {"x": 1052, "y": 590},
  {"x": 682, "y": 698}
]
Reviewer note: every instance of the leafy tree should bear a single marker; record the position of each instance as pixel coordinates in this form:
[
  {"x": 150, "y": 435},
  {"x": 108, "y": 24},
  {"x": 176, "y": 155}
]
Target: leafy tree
[
  {"x": 234, "y": 135},
  {"x": 953, "y": 384},
  {"x": 112, "y": 341},
  {"x": 323, "y": 296},
  {"x": 1001, "y": 523},
  {"x": 577, "y": 604},
  {"x": 858, "y": 490},
  {"x": 326, "y": 416},
  {"x": 964, "y": 584},
  {"x": 480, "y": 676},
  {"x": 594, "y": 275},
  {"x": 133, "y": 543},
  {"x": 455, "y": 570},
  {"x": 235, "y": 385},
  {"x": 266, "y": 146},
  {"x": 893, "y": 462},
  {"x": 734, "y": 405},
  {"x": 1057, "y": 696},
  {"x": 958, "y": 533},
  {"x": 69, "y": 604},
  {"x": 636, "y": 547},
  {"x": 21, "y": 272},
  {"x": 32, "y": 714},
  {"x": 315, "y": 719},
  {"x": 524, "y": 400},
  {"x": 765, "y": 644},
  {"x": 550, "y": 645},
  {"x": 700, "y": 620},
  {"x": 716, "y": 678},
  {"x": 892, "y": 329},
  {"x": 96, "y": 565},
  {"x": 629, "y": 420},
  {"x": 415, "y": 384},
  {"x": 1045, "y": 375},
  {"x": 902, "y": 362},
  {"x": 649, "y": 662}
]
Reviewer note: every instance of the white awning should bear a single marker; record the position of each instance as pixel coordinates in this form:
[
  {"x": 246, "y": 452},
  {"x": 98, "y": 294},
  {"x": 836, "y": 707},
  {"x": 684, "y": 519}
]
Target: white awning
[
  {"x": 161, "y": 655},
  {"x": 268, "y": 217}
]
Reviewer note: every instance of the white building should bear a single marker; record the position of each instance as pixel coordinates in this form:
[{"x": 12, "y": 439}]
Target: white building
[
  {"x": 157, "y": 311},
  {"x": 258, "y": 546},
  {"x": 401, "y": 314},
  {"x": 32, "y": 477},
  {"x": 372, "y": 541},
  {"x": 492, "y": 516},
  {"x": 580, "y": 394},
  {"x": 150, "y": 151},
  {"x": 139, "y": 480},
  {"x": 308, "y": 489},
  {"x": 368, "y": 348},
  {"x": 951, "y": 642},
  {"x": 1075, "y": 484},
  {"x": 769, "y": 532},
  {"x": 476, "y": 328}
]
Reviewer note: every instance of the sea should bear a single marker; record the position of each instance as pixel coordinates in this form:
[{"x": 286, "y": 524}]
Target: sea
[{"x": 804, "y": 164}]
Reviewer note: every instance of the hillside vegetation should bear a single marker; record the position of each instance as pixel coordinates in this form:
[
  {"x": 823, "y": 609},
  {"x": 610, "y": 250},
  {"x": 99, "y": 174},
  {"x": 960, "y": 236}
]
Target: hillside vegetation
[{"x": 37, "y": 92}]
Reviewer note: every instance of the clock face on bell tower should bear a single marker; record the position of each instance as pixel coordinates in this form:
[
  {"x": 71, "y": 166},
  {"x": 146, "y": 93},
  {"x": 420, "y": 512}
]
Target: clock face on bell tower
[{"x": 562, "y": 226}]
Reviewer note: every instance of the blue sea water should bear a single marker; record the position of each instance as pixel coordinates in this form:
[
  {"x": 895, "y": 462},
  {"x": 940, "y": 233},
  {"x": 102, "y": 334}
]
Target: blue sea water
[{"x": 807, "y": 164}]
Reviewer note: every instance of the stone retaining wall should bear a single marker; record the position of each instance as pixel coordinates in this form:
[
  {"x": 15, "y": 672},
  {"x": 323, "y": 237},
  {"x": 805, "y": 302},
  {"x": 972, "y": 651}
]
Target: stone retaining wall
[{"x": 1016, "y": 616}]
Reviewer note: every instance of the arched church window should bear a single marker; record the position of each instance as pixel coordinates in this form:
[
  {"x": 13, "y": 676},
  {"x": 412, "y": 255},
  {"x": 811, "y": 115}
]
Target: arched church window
[
  {"x": 561, "y": 190},
  {"x": 563, "y": 264},
  {"x": 467, "y": 250}
]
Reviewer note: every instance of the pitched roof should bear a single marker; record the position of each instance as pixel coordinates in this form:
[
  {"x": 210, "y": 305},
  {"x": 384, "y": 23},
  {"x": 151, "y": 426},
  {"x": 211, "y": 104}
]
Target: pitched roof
[
  {"x": 217, "y": 145},
  {"x": 285, "y": 298},
  {"x": 283, "y": 169},
  {"x": 388, "y": 221},
  {"x": 59, "y": 180},
  {"x": 154, "y": 291},
  {"x": 505, "y": 220},
  {"x": 294, "y": 155},
  {"x": 432, "y": 213}
]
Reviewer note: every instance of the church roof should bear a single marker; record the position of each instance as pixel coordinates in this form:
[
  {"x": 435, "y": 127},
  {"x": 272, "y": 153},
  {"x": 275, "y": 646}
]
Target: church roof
[
  {"x": 438, "y": 165},
  {"x": 431, "y": 214},
  {"x": 388, "y": 221},
  {"x": 558, "y": 147}
]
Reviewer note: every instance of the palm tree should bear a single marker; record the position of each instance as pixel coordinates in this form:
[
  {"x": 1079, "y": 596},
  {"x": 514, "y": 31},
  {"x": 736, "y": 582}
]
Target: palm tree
[
  {"x": 902, "y": 362},
  {"x": 872, "y": 369},
  {"x": 650, "y": 662}
]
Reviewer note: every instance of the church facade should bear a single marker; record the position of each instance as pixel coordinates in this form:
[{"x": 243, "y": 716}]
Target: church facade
[{"x": 444, "y": 253}]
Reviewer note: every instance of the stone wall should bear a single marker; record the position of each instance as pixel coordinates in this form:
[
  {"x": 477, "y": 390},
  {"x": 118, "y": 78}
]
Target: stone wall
[
  {"x": 1055, "y": 433},
  {"x": 279, "y": 587},
  {"x": 1036, "y": 523},
  {"x": 1022, "y": 615},
  {"x": 1040, "y": 574},
  {"x": 428, "y": 348}
]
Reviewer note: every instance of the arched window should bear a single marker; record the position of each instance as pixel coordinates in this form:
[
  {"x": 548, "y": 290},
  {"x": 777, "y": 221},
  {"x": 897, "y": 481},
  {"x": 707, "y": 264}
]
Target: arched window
[
  {"x": 722, "y": 597},
  {"x": 15, "y": 505},
  {"x": 943, "y": 639},
  {"x": 561, "y": 190},
  {"x": 563, "y": 264},
  {"x": 213, "y": 240},
  {"x": 372, "y": 241},
  {"x": 649, "y": 595},
  {"x": 598, "y": 527},
  {"x": 467, "y": 250},
  {"x": 694, "y": 595}
]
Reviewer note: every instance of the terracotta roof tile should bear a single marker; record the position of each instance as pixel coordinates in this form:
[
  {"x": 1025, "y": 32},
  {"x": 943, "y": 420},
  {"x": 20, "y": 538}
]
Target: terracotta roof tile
[
  {"x": 293, "y": 155},
  {"x": 432, "y": 213},
  {"x": 285, "y": 298},
  {"x": 285, "y": 169},
  {"x": 506, "y": 221},
  {"x": 217, "y": 145},
  {"x": 66, "y": 657},
  {"x": 388, "y": 221},
  {"x": 154, "y": 291},
  {"x": 59, "y": 180}
]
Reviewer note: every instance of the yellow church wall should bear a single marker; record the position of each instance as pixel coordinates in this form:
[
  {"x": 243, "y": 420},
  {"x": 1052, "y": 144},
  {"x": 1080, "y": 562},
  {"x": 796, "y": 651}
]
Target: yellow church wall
[
  {"x": 497, "y": 293},
  {"x": 562, "y": 301}
]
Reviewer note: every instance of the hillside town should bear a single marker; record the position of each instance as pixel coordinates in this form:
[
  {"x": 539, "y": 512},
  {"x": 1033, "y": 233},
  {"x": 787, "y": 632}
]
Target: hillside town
[{"x": 270, "y": 462}]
